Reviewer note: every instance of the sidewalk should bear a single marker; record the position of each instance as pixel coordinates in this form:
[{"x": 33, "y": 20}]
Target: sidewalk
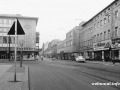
[
  {"x": 95, "y": 62},
  {"x": 105, "y": 63},
  {"x": 7, "y": 77}
]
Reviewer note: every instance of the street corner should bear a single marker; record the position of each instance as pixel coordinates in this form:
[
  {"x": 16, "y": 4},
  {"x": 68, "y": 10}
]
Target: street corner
[{"x": 8, "y": 81}]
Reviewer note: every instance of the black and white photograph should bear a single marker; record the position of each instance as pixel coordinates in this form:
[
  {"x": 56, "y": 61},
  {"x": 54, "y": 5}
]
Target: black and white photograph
[{"x": 59, "y": 44}]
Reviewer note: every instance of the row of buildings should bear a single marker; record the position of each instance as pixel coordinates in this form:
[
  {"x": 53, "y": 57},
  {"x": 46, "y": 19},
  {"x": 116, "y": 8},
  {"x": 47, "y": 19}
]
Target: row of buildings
[
  {"x": 98, "y": 38},
  {"x": 28, "y": 43}
]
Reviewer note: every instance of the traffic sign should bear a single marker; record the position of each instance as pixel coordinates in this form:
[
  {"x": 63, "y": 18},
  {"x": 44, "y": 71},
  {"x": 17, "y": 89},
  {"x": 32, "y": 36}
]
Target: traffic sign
[{"x": 20, "y": 30}]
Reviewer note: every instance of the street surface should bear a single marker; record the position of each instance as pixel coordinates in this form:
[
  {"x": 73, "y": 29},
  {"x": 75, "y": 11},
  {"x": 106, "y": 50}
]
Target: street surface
[{"x": 70, "y": 75}]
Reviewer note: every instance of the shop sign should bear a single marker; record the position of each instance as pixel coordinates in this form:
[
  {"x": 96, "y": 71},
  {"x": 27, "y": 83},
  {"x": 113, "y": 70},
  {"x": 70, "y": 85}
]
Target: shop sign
[
  {"x": 3, "y": 48},
  {"x": 107, "y": 45},
  {"x": 102, "y": 46},
  {"x": 116, "y": 45}
]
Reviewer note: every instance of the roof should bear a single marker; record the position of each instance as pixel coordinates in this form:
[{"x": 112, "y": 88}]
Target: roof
[
  {"x": 18, "y": 16},
  {"x": 100, "y": 12}
]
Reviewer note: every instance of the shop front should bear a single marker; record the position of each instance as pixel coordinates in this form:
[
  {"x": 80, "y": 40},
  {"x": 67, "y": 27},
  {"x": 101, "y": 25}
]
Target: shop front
[
  {"x": 98, "y": 55},
  {"x": 88, "y": 53},
  {"x": 116, "y": 49},
  {"x": 102, "y": 51}
]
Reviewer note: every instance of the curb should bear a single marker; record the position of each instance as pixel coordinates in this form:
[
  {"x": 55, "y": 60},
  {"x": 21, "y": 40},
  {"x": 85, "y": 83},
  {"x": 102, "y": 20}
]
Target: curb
[
  {"x": 25, "y": 85},
  {"x": 29, "y": 78}
]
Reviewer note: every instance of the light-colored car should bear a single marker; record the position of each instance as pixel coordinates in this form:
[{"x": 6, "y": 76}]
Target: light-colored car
[{"x": 80, "y": 59}]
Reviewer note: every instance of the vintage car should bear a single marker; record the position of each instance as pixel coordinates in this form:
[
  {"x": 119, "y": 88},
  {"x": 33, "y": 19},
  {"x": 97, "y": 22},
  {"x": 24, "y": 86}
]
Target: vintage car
[{"x": 80, "y": 59}]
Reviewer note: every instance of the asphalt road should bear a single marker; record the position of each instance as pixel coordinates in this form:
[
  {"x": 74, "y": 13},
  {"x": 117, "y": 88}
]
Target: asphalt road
[{"x": 61, "y": 75}]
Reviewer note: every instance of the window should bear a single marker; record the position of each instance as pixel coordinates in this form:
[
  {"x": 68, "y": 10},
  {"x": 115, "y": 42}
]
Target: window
[
  {"x": 9, "y": 40},
  {"x": 4, "y": 39},
  {"x": 109, "y": 34},
  {"x": 10, "y": 21},
  {"x": 105, "y": 21},
  {"x": 94, "y": 26},
  {"x": 115, "y": 3},
  {"x": 4, "y": 30},
  {"x": 100, "y": 36},
  {"x": 104, "y": 11},
  {"x": 0, "y": 21},
  {"x": 71, "y": 34},
  {"x": 65, "y": 44},
  {"x": 97, "y": 37},
  {"x": 91, "y": 41},
  {"x": 94, "y": 38},
  {"x": 5, "y": 21},
  {"x": 0, "y": 29},
  {"x": 108, "y": 18},
  {"x": 116, "y": 31},
  {"x": 97, "y": 24},
  {"x": 104, "y": 35},
  {"x": 91, "y": 29},
  {"x": 13, "y": 39},
  {"x": 108, "y": 8},
  {"x": 101, "y": 23},
  {"x": 1, "y": 40},
  {"x": 71, "y": 43},
  {"x": 116, "y": 13}
]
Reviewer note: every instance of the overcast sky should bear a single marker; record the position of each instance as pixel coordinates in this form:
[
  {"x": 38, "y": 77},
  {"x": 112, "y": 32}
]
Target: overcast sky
[{"x": 56, "y": 17}]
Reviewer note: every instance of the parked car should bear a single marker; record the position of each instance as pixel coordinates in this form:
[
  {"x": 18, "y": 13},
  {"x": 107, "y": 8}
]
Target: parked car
[{"x": 80, "y": 59}]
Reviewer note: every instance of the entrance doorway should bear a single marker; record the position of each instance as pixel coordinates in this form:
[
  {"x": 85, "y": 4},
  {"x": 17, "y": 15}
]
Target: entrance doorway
[
  {"x": 107, "y": 55},
  {"x": 4, "y": 55}
]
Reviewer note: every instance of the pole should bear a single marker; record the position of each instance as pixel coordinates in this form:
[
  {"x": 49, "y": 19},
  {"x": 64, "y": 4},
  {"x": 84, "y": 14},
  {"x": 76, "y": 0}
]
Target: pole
[
  {"x": 21, "y": 58},
  {"x": 9, "y": 47},
  {"x": 15, "y": 49}
]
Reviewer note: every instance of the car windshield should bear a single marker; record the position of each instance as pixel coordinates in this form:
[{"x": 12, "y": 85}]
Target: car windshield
[{"x": 80, "y": 57}]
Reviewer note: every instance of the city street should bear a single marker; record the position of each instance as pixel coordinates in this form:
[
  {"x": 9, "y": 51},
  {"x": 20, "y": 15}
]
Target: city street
[{"x": 70, "y": 75}]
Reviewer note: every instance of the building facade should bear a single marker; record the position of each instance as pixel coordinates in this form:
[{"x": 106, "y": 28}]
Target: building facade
[
  {"x": 99, "y": 37},
  {"x": 69, "y": 48},
  {"x": 26, "y": 43},
  {"x": 51, "y": 48}
]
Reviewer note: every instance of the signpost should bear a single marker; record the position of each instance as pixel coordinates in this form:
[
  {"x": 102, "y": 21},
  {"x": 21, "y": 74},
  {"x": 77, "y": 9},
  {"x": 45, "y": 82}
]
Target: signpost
[{"x": 16, "y": 29}]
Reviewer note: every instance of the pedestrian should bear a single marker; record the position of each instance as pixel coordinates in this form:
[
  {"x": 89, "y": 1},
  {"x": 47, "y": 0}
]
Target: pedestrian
[
  {"x": 41, "y": 57},
  {"x": 113, "y": 61}
]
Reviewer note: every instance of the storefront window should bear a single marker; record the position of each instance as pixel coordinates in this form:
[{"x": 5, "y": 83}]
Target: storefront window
[
  {"x": 9, "y": 40},
  {"x": 0, "y": 29},
  {"x": 4, "y": 30},
  {"x": 1, "y": 40},
  {"x": 4, "y": 39}
]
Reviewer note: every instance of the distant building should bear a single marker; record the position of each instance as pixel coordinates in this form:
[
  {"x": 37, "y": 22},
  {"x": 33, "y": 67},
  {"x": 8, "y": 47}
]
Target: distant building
[
  {"x": 37, "y": 42},
  {"x": 25, "y": 42},
  {"x": 51, "y": 51},
  {"x": 69, "y": 48}
]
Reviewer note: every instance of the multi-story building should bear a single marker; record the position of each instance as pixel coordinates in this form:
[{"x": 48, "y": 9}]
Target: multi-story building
[
  {"x": 100, "y": 35},
  {"x": 51, "y": 49},
  {"x": 26, "y": 43},
  {"x": 37, "y": 42},
  {"x": 69, "y": 47}
]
